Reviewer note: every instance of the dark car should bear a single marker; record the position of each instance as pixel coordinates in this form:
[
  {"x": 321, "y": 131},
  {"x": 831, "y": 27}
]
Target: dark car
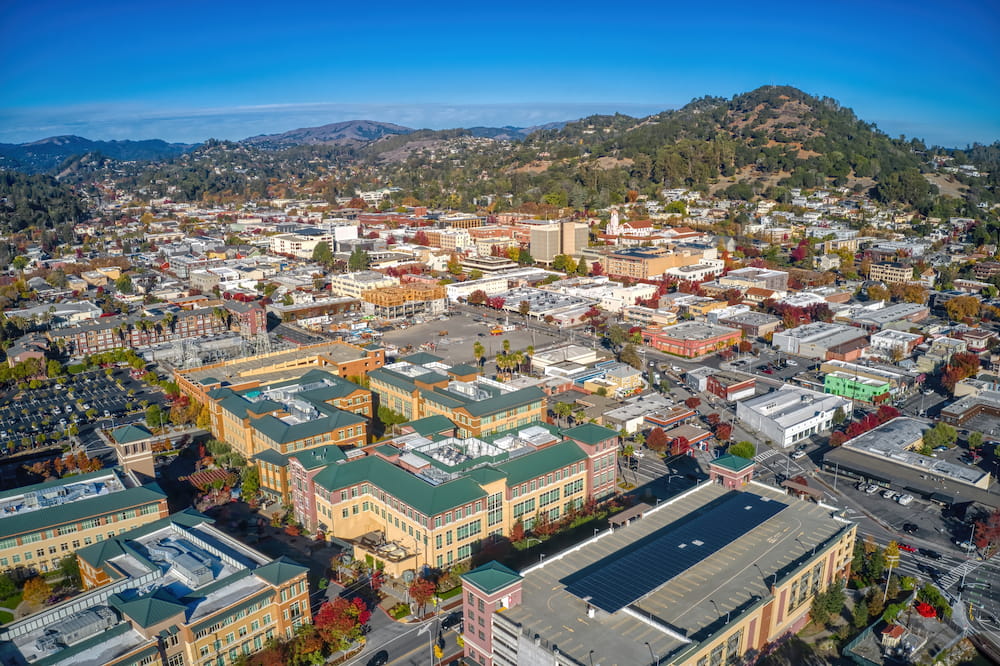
[
  {"x": 928, "y": 553},
  {"x": 380, "y": 658},
  {"x": 451, "y": 620},
  {"x": 910, "y": 528}
]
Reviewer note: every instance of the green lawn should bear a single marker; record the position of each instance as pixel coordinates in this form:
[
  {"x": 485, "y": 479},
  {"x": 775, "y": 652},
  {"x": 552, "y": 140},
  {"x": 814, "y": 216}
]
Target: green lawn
[
  {"x": 5, "y": 617},
  {"x": 11, "y": 602}
]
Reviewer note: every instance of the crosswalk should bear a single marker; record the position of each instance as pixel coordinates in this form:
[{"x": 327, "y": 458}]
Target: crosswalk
[
  {"x": 955, "y": 573},
  {"x": 765, "y": 454}
]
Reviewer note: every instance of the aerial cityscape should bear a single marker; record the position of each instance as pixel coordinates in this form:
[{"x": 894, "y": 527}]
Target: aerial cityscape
[{"x": 572, "y": 336}]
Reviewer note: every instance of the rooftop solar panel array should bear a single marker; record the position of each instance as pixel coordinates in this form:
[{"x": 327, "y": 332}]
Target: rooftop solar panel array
[{"x": 629, "y": 574}]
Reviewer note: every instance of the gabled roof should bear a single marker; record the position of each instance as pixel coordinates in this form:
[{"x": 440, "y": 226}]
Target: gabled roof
[
  {"x": 589, "y": 433},
  {"x": 130, "y": 433},
  {"x": 280, "y": 571},
  {"x": 491, "y": 577},
  {"x": 150, "y": 609}
]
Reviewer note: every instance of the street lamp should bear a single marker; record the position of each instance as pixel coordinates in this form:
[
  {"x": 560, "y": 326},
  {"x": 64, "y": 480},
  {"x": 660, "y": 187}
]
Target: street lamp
[{"x": 651, "y": 655}]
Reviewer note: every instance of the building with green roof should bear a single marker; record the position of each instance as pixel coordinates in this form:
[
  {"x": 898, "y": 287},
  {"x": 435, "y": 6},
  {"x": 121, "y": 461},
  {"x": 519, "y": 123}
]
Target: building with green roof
[
  {"x": 417, "y": 387},
  {"x": 42, "y": 523},
  {"x": 427, "y": 500},
  {"x": 266, "y": 424},
  {"x": 165, "y": 593}
]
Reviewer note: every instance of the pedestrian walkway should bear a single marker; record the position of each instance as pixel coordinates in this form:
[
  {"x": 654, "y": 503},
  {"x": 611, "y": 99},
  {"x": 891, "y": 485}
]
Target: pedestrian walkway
[
  {"x": 764, "y": 455},
  {"x": 956, "y": 574}
]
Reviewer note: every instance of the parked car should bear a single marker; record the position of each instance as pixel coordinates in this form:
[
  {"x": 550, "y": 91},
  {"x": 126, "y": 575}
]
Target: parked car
[
  {"x": 791, "y": 363},
  {"x": 451, "y": 620},
  {"x": 941, "y": 448},
  {"x": 910, "y": 528},
  {"x": 930, "y": 554},
  {"x": 871, "y": 490},
  {"x": 887, "y": 494},
  {"x": 907, "y": 547},
  {"x": 904, "y": 499},
  {"x": 798, "y": 454},
  {"x": 964, "y": 545}
]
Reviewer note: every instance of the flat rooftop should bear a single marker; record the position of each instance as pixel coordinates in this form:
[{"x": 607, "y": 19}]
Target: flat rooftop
[
  {"x": 52, "y": 494},
  {"x": 188, "y": 565},
  {"x": 692, "y": 330},
  {"x": 699, "y": 564},
  {"x": 892, "y": 442},
  {"x": 239, "y": 370}
]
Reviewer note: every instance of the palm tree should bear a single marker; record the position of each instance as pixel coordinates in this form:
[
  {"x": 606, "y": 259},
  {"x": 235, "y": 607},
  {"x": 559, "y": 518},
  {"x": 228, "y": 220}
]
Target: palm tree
[
  {"x": 579, "y": 415},
  {"x": 479, "y": 352},
  {"x": 516, "y": 359},
  {"x": 170, "y": 319},
  {"x": 506, "y": 346},
  {"x": 528, "y": 353},
  {"x": 563, "y": 410}
]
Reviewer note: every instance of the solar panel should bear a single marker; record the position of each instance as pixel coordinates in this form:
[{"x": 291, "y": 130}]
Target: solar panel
[{"x": 634, "y": 571}]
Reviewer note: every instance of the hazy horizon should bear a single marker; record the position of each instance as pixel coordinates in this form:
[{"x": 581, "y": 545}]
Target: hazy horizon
[{"x": 187, "y": 71}]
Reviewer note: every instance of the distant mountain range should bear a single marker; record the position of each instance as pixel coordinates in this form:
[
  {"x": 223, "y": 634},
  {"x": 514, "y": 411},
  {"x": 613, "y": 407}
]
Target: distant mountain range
[
  {"x": 49, "y": 153},
  {"x": 350, "y": 132}
]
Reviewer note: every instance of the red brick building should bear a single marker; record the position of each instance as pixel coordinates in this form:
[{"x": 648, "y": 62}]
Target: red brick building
[
  {"x": 730, "y": 386},
  {"x": 690, "y": 339}
]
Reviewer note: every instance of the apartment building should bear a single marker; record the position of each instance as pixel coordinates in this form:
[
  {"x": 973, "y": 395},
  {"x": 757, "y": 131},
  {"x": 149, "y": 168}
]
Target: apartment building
[
  {"x": 352, "y": 285},
  {"x": 478, "y": 406},
  {"x": 551, "y": 238},
  {"x": 140, "y": 330},
  {"x": 890, "y": 272},
  {"x": 42, "y": 523},
  {"x": 418, "y": 501},
  {"x": 250, "y": 372},
  {"x": 268, "y": 423},
  {"x": 301, "y": 244},
  {"x": 174, "y": 592}
]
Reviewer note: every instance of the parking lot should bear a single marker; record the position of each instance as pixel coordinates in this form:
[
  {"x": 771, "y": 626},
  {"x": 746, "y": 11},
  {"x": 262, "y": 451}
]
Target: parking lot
[
  {"x": 464, "y": 331},
  {"x": 77, "y": 399}
]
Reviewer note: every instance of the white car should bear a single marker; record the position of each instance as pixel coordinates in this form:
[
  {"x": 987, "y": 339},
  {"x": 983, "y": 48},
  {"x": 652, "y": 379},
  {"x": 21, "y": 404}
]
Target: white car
[
  {"x": 798, "y": 454},
  {"x": 790, "y": 362},
  {"x": 871, "y": 490},
  {"x": 887, "y": 494},
  {"x": 904, "y": 499}
]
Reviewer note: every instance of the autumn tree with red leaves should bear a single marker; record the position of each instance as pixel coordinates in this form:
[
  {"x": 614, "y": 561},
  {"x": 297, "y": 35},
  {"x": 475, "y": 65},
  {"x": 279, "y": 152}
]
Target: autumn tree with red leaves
[
  {"x": 421, "y": 591},
  {"x": 657, "y": 440},
  {"x": 340, "y": 621},
  {"x": 988, "y": 533},
  {"x": 693, "y": 402},
  {"x": 723, "y": 432}
]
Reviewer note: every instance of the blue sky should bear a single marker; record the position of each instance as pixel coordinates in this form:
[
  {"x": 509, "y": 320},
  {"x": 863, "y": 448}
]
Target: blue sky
[{"x": 187, "y": 71}]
